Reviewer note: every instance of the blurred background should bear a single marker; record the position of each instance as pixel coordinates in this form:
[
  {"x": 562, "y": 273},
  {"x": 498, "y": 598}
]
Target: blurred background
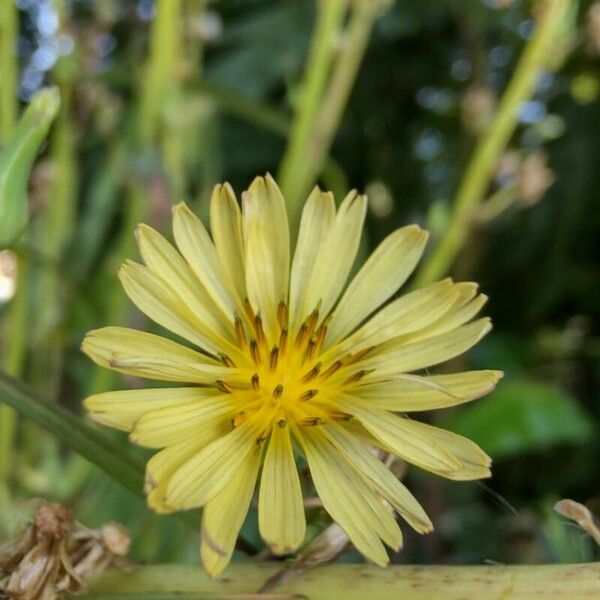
[{"x": 161, "y": 100}]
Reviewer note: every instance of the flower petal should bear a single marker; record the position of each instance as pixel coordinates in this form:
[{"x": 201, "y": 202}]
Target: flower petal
[
  {"x": 202, "y": 477},
  {"x": 414, "y": 393},
  {"x": 267, "y": 244},
  {"x": 171, "y": 424},
  {"x": 385, "y": 271},
  {"x": 223, "y": 517},
  {"x": 475, "y": 463},
  {"x": 121, "y": 409},
  {"x": 167, "y": 264},
  {"x": 195, "y": 245},
  {"x": 424, "y": 353},
  {"x": 156, "y": 300},
  {"x": 400, "y": 437},
  {"x": 226, "y": 228},
  {"x": 147, "y": 355},
  {"x": 317, "y": 217},
  {"x": 163, "y": 464},
  {"x": 280, "y": 506},
  {"x": 384, "y": 481},
  {"x": 336, "y": 256},
  {"x": 348, "y": 499}
]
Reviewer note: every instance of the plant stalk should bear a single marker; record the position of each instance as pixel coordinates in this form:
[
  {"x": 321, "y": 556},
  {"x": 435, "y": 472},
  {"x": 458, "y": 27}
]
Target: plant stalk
[{"x": 472, "y": 189}]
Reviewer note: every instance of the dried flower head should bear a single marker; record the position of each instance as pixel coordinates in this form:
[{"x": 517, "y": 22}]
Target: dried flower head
[
  {"x": 289, "y": 360},
  {"x": 55, "y": 554}
]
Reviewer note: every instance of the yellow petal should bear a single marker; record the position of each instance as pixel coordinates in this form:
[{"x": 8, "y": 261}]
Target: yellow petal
[
  {"x": 409, "y": 313},
  {"x": 267, "y": 245},
  {"x": 336, "y": 256},
  {"x": 475, "y": 463},
  {"x": 383, "y": 480},
  {"x": 162, "y": 305},
  {"x": 195, "y": 245},
  {"x": 348, "y": 499},
  {"x": 171, "y": 424},
  {"x": 414, "y": 393},
  {"x": 425, "y": 353},
  {"x": 400, "y": 437},
  {"x": 385, "y": 271},
  {"x": 317, "y": 217},
  {"x": 167, "y": 264},
  {"x": 163, "y": 464},
  {"x": 226, "y": 228},
  {"x": 121, "y": 409},
  {"x": 223, "y": 517},
  {"x": 201, "y": 478},
  {"x": 280, "y": 506},
  {"x": 147, "y": 355}
]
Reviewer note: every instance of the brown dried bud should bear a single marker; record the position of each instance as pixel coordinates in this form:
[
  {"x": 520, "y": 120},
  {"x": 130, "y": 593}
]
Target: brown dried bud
[{"x": 478, "y": 106}]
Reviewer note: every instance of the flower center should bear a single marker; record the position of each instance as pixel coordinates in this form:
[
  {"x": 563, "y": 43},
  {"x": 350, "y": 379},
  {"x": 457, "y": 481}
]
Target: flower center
[{"x": 294, "y": 381}]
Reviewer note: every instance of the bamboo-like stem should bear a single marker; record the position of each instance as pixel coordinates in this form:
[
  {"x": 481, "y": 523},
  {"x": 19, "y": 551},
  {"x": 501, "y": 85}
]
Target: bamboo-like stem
[
  {"x": 12, "y": 357},
  {"x": 354, "y": 45},
  {"x": 330, "y": 15},
  {"x": 470, "y": 194},
  {"x": 356, "y": 582},
  {"x": 9, "y": 23}
]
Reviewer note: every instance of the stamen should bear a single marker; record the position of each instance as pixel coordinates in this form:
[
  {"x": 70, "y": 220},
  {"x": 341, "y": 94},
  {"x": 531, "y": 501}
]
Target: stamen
[
  {"x": 310, "y": 349},
  {"x": 254, "y": 352},
  {"x": 255, "y": 380},
  {"x": 301, "y": 334},
  {"x": 249, "y": 310},
  {"x": 283, "y": 340},
  {"x": 226, "y": 360},
  {"x": 262, "y": 436},
  {"x": 308, "y": 395},
  {"x": 338, "y": 415},
  {"x": 312, "y": 373},
  {"x": 354, "y": 358},
  {"x": 277, "y": 391},
  {"x": 320, "y": 337},
  {"x": 282, "y": 314},
  {"x": 240, "y": 334},
  {"x": 281, "y": 423},
  {"x": 238, "y": 419},
  {"x": 223, "y": 386},
  {"x": 355, "y": 377},
  {"x": 273, "y": 358},
  {"x": 260, "y": 332},
  {"x": 312, "y": 321},
  {"x": 310, "y": 421},
  {"x": 332, "y": 369}
]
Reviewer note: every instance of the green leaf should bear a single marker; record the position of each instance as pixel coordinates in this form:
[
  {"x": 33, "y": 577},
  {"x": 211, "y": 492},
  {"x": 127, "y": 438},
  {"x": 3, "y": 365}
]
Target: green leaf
[
  {"x": 16, "y": 160},
  {"x": 74, "y": 432},
  {"x": 522, "y": 415}
]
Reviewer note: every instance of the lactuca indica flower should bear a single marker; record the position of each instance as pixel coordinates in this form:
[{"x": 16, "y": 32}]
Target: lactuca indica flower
[{"x": 287, "y": 360}]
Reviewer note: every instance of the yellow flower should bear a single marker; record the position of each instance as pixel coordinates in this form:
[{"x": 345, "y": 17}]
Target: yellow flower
[{"x": 289, "y": 362}]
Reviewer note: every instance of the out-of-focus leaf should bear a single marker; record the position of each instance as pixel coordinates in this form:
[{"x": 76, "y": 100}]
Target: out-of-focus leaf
[
  {"x": 17, "y": 159},
  {"x": 522, "y": 415}
]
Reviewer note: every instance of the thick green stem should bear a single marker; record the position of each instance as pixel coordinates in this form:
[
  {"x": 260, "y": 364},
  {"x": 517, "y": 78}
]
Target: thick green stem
[
  {"x": 344, "y": 74},
  {"x": 356, "y": 582},
  {"x": 471, "y": 192},
  {"x": 9, "y": 23},
  {"x": 330, "y": 16},
  {"x": 12, "y": 357}
]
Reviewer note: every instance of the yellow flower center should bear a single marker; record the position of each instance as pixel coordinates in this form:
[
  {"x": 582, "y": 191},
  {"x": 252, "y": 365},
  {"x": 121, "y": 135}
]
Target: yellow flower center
[{"x": 293, "y": 379}]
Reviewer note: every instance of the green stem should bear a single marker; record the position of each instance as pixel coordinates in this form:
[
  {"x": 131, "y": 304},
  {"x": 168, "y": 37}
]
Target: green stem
[
  {"x": 470, "y": 194},
  {"x": 12, "y": 358},
  {"x": 9, "y": 23},
  {"x": 355, "y": 582},
  {"x": 330, "y": 16},
  {"x": 344, "y": 74},
  {"x": 73, "y": 432}
]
